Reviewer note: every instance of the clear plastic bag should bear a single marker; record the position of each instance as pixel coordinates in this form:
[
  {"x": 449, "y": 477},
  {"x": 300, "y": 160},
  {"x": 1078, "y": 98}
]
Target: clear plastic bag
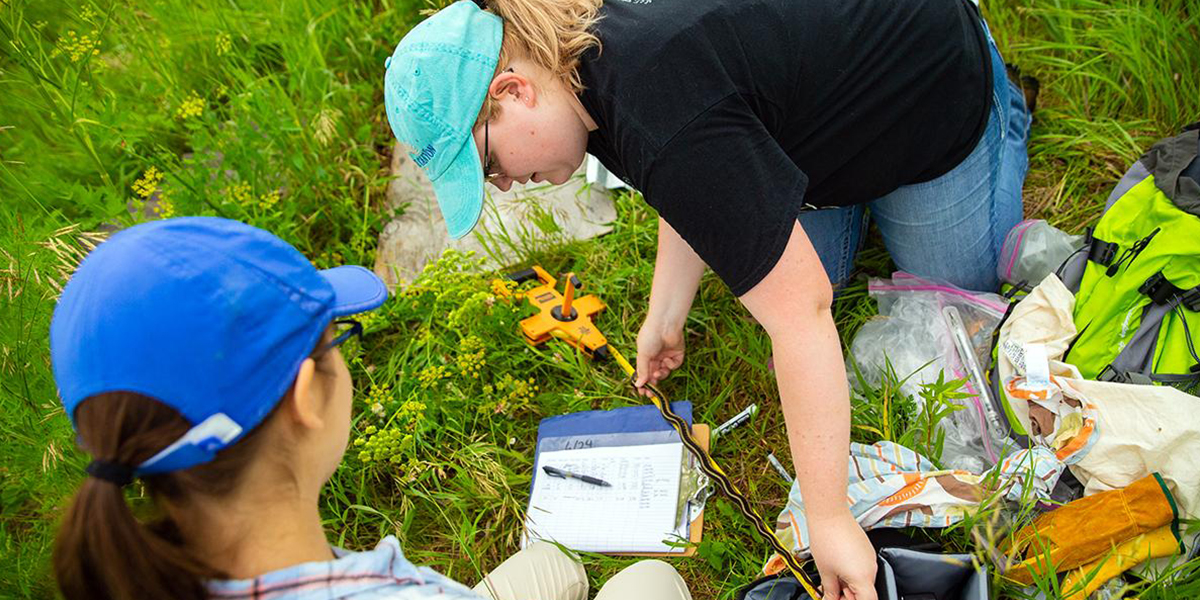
[
  {"x": 1032, "y": 250},
  {"x": 914, "y": 333}
]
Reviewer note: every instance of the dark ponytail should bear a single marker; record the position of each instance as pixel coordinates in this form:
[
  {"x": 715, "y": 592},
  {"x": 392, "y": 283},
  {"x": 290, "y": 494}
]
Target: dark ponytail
[{"x": 103, "y": 551}]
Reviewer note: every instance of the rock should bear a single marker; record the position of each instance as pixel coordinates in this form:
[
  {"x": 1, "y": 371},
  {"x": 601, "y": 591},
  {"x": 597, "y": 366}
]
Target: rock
[{"x": 513, "y": 223}]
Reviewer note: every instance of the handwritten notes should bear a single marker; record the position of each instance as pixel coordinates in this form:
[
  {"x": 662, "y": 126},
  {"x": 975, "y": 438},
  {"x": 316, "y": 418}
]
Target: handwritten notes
[{"x": 637, "y": 514}]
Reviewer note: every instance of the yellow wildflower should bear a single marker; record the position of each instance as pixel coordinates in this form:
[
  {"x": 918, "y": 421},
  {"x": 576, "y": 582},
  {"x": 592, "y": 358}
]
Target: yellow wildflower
[
  {"x": 432, "y": 375},
  {"x": 240, "y": 193},
  {"x": 166, "y": 208},
  {"x": 504, "y": 288},
  {"x": 331, "y": 259},
  {"x": 410, "y": 414},
  {"x": 384, "y": 446},
  {"x": 379, "y": 393},
  {"x": 224, "y": 44},
  {"x": 371, "y": 321},
  {"x": 268, "y": 200},
  {"x": 166, "y": 204},
  {"x": 78, "y": 47},
  {"x": 471, "y": 359},
  {"x": 148, "y": 184},
  {"x": 508, "y": 396},
  {"x": 193, "y": 106}
]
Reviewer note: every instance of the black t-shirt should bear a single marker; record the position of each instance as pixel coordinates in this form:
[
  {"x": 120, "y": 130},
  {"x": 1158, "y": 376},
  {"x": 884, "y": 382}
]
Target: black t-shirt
[{"x": 731, "y": 115}]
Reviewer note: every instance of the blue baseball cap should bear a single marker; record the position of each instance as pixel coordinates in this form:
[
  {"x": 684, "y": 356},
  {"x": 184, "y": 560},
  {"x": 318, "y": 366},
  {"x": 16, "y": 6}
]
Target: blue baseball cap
[
  {"x": 433, "y": 89},
  {"x": 209, "y": 316}
]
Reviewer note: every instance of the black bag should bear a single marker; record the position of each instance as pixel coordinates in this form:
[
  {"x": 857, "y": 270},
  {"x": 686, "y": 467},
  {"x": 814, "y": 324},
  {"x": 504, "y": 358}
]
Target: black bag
[{"x": 903, "y": 574}]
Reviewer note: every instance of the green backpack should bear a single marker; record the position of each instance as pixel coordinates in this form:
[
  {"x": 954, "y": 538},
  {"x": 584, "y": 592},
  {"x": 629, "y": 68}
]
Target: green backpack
[{"x": 1136, "y": 278}]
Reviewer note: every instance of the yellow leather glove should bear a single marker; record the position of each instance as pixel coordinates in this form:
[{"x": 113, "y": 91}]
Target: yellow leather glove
[
  {"x": 1086, "y": 530},
  {"x": 1080, "y": 583}
]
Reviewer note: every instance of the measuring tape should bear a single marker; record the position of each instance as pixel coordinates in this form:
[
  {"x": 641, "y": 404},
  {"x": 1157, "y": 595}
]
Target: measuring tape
[
  {"x": 714, "y": 472},
  {"x": 569, "y": 318}
]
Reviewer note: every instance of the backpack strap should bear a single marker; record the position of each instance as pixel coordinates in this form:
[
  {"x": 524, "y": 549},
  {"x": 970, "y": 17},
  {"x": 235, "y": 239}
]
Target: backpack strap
[
  {"x": 1134, "y": 364},
  {"x": 1094, "y": 249},
  {"x": 1193, "y": 376},
  {"x": 1070, "y": 272},
  {"x": 1112, "y": 375},
  {"x": 1098, "y": 250},
  {"x": 1181, "y": 381}
]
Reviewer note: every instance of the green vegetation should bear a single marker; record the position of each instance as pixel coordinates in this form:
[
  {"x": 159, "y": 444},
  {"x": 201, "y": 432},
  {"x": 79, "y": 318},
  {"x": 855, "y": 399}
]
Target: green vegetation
[{"x": 271, "y": 112}]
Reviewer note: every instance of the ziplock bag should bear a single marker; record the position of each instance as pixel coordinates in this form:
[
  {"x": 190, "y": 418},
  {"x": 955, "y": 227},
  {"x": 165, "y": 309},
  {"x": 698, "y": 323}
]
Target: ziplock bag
[
  {"x": 924, "y": 329},
  {"x": 1032, "y": 250}
]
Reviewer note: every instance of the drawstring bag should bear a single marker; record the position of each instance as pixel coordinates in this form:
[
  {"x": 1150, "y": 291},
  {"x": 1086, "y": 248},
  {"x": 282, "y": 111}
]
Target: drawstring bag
[
  {"x": 904, "y": 574},
  {"x": 1135, "y": 277}
]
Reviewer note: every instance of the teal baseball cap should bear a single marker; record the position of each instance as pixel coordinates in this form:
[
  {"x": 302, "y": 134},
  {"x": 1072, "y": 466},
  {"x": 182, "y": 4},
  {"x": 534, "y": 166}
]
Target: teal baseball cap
[{"x": 434, "y": 86}]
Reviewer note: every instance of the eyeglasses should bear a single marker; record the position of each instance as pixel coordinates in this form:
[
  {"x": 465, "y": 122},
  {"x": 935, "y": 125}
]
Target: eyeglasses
[
  {"x": 346, "y": 329},
  {"x": 488, "y": 175}
]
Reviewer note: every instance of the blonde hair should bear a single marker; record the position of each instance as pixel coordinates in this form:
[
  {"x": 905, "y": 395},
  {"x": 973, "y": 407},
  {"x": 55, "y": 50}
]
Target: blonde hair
[{"x": 553, "y": 34}]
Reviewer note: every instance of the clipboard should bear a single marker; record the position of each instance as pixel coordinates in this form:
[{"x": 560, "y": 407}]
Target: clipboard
[
  {"x": 630, "y": 426},
  {"x": 696, "y": 534}
]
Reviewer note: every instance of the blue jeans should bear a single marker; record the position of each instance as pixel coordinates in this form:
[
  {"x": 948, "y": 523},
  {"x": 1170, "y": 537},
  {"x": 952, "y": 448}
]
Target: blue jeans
[{"x": 950, "y": 228}]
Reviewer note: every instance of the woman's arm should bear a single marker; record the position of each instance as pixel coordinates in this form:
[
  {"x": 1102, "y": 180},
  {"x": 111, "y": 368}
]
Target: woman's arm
[
  {"x": 677, "y": 272},
  {"x": 793, "y": 303}
]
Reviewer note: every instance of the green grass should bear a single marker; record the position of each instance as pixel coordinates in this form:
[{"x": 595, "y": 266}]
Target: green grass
[{"x": 271, "y": 112}]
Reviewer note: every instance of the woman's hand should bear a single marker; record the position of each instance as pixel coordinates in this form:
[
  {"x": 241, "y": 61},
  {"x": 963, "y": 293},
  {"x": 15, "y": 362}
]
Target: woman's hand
[
  {"x": 659, "y": 351},
  {"x": 677, "y": 271},
  {"x": 845, "y": 558}
]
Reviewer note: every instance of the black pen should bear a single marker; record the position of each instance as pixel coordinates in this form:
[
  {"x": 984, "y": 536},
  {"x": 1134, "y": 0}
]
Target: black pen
[{"x": 553, "y": 472}]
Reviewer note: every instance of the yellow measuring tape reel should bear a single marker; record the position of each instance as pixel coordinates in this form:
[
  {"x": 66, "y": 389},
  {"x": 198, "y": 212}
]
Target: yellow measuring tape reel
[{"x": 560, "y": 316}]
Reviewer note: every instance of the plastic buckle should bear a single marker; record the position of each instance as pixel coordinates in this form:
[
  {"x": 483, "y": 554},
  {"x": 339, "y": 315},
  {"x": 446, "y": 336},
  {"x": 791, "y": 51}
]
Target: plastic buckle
[
  {"x": 1191, "y": 299},
  {"x": 1111, "y": 375},
  {"x": 1138, "y": 379},
  {"x": 1101, "y": 252},
  {"x": 1158, "y": 289}
]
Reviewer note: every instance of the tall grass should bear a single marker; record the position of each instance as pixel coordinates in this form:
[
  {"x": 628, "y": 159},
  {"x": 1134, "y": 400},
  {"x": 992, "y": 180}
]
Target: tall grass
[
  {"x": 271, "y": 112},
  {"x": 267, "y": 112},
  {"x": 1116, "y": 77}
]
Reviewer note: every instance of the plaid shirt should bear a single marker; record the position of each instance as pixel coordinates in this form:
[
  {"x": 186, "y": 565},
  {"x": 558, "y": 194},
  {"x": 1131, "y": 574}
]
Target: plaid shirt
[{"x": 380, "y": 573}]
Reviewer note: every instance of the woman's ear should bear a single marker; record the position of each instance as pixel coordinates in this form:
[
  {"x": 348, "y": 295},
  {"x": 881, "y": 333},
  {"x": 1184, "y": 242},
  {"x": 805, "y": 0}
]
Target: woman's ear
[
  {"x": 305, "y": 400},
  {"x": 510, "y": 85}
]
